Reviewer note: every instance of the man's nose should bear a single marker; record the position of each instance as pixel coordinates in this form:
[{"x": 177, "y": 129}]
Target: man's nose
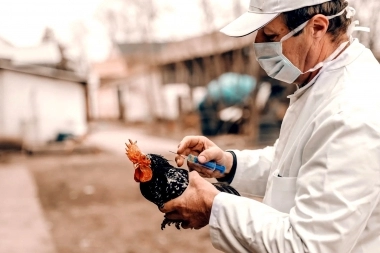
[{"x": 260, "y": 37}]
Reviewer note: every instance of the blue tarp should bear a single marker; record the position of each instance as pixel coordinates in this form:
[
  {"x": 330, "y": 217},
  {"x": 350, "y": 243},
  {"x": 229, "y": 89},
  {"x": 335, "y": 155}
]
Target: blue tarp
[{"x": 231, "y": 88}]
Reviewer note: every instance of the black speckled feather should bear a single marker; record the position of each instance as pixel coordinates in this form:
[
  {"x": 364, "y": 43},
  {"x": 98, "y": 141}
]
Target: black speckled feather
[{"x": 169, "y": 182}]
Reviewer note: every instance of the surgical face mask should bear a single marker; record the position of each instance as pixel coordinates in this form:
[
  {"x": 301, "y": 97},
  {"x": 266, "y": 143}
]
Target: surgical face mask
[{"x": 276, "y": 65}]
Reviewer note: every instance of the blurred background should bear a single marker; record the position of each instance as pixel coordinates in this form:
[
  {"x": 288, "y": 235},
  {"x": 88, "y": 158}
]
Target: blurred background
[{"x": 80, "y": 78}]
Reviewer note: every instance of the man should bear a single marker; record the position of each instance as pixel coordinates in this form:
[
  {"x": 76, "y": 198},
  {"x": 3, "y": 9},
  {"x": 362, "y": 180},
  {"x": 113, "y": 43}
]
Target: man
[{"x": 321, "y": 180}]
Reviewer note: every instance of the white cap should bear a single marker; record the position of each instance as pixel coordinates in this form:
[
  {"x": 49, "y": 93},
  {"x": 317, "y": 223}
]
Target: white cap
[{"x": 261, "y": 12}]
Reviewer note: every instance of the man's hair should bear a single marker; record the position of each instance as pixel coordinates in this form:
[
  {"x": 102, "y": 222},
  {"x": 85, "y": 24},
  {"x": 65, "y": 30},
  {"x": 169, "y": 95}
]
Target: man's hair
[{"x": 337, "y": 26}]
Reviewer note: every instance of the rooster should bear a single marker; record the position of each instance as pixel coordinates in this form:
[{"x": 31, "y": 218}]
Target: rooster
[{"x": 160, "y": 181}]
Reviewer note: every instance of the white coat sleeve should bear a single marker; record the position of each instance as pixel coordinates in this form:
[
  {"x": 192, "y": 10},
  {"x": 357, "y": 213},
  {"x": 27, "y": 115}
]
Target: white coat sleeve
[
  {"x": 338, "y": 188},
  {"x": 252, "y": 170}
]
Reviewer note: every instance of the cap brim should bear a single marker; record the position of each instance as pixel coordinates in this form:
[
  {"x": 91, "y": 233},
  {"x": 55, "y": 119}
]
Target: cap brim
[{"x": 247, "y": 23}]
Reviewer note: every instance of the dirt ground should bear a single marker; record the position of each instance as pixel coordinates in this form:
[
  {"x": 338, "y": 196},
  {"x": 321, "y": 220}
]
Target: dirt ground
[{"x": 92, "y": 204}]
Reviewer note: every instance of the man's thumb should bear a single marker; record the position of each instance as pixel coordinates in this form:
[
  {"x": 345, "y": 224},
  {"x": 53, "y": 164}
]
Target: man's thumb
[{"x": 208, "y": 155}]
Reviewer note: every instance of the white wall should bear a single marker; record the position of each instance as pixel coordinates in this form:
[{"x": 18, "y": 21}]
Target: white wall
[
  {"x": 37, "y": 108},
  {"x": 171, "y": 93},
  {"x": 92, "y": 89},
  {"x": 2, "y": 102},
  {"x": 141, "y": 97},
  {"x": 145, "y": 97},
  {"x": 107, "y": 105}
]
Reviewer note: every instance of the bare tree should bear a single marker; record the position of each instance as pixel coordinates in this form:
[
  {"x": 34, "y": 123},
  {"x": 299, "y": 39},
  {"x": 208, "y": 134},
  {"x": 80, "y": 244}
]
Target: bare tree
[
  {"x": 133, "y": 20},
  {"x": 129, "y": 19},
  {"x": 80, "y": 32}
]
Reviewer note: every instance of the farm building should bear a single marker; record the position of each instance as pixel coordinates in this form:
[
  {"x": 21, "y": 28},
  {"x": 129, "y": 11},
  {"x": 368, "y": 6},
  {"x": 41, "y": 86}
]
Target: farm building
[{"x": 39, "y": 103}]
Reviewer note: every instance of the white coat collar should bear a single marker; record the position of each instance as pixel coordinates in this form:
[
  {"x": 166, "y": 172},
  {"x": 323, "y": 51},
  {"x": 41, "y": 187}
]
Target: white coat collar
[{"x": 344, "y": 59}]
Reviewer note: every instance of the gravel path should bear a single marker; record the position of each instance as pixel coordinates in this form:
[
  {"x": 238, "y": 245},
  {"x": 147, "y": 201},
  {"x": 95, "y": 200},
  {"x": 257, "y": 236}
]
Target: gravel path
[{"x": 23, "y": 227}]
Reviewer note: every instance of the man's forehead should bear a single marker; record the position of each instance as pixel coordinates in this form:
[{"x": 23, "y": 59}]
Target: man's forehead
[{"x": 275, "y": 26}]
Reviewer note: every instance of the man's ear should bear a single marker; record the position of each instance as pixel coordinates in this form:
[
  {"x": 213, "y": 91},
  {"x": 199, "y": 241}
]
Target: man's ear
[{"x": 319, "y": 25}]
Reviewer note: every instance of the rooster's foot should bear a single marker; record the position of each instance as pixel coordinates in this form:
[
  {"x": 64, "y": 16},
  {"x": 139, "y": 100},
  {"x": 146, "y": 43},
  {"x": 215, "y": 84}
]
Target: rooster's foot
[{"x": 170, "y": 222}]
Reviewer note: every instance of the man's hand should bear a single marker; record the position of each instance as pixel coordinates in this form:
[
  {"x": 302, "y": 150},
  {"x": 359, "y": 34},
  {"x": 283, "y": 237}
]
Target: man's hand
[
  {"x": 193, "y": 207},
  {"x": 206, "y": 151}
]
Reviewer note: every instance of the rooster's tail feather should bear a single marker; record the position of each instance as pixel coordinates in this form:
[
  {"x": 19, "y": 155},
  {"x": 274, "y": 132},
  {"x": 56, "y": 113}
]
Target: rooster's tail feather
[{"x": 223, "y": 187}]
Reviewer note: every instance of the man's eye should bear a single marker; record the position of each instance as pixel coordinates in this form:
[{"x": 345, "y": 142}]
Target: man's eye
[{"x": 271, "y": 37}]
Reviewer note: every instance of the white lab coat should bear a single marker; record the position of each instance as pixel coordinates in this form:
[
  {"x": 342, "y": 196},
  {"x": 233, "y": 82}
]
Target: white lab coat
[{"x": 321, "y": 181}]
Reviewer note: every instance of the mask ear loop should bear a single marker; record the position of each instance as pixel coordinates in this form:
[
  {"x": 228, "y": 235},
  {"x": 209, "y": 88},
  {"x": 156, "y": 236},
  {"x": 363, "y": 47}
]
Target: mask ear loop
[
  {"x": 354, "y": 25},
  {"x": 290, "y": 34},
  {"x": 302, "y": 26}
]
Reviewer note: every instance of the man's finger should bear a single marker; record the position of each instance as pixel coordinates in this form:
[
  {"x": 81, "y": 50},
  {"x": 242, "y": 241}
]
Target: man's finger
[
  {"x": 173, "y": 216},
  {"x": 168, "y": 207},
  {"x": 179, "y": 160},
  {"x": 211, "y": 154},
  {"x": 192, "y": 143}
]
